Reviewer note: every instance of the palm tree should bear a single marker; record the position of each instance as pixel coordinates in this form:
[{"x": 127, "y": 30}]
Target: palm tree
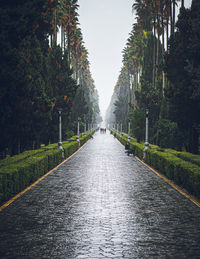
[
  {"x": 173, "y": 11},
  {"x": 77, "y": 42},
  {"x": 67, "y": 19}
]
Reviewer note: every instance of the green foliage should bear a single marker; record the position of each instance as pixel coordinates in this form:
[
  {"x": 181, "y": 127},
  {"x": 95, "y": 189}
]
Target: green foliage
[
  {"x": 122, "y": 101},
  {"x": 168, "y": 135},
  {"x": 69, "y": 134},
  {"x": 183, "y": 173},
  {"x": 25, "y": 106},
  {"x": 36, "y": 79},
  {"x": 138, "y": 125},
  {"x": 195, "y": 159},
  {"x": 166, "y": 81},
  {"x": 183, "y": 70},
  {"x": 181, "y": 167},
  {"x": 17, "y": 158},
  {"x": 61, "y": 89},
  {"x": 18, "y": 172}
]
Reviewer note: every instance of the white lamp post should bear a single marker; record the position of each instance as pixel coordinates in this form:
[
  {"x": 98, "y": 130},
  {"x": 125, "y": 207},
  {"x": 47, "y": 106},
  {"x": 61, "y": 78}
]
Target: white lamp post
[
  {"x": 146, "y": 134},
  {"x": 78, "y": 131},
  {"x": 120, "y": 130},
  {"x": 129, "y": 130},
  {"x": 60, "y": 132},
  {"x": 60, "y": 129}
]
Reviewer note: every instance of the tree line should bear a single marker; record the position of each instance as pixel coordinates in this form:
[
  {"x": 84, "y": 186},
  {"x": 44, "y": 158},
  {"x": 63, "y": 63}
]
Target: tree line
[
  {"x": 38, "y": 76},
  {"x": 161, "y": 72}
]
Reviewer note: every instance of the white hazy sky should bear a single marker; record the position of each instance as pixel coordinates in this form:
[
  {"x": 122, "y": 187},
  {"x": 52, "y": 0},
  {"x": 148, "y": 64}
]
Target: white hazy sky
[{"x": 105, "y": 26}]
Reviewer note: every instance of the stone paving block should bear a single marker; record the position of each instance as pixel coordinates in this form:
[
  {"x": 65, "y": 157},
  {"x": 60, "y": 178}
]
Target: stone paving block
[{"x": 101, "y": 204}]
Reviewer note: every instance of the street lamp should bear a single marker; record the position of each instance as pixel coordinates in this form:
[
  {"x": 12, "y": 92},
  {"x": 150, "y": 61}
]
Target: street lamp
[
  {"x": 85, "y": 129},
  {"x": 129, "y": 130},
  {"x": 146, "y": 134},
  {"x": 60, "y": 128},
  {"x": 120, "y": 130},
  {"x": 60, "y": 131},
  {"x": 78, "y": 131}
]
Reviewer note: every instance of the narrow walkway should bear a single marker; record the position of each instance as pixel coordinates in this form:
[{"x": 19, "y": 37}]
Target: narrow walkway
[{"x": 101, "y": 204}]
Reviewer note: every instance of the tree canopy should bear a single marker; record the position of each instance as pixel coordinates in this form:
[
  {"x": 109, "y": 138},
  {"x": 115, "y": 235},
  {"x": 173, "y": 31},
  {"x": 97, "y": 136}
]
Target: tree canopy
[
  {"x": 161, "y": 58},
  {"x": 38, "y": 76}
]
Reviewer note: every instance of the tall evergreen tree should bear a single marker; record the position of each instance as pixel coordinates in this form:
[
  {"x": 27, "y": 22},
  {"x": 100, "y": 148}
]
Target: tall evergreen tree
[{"x": 183, "y": 70}]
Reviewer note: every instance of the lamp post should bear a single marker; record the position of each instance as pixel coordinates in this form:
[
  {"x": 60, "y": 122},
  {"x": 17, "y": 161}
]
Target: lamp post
[
  {"x": 60, "y": 132},
  {"x": 120, "y": 130},
  {"x": 78, "y": 131},
  {"x": 129, "y": 130},
  {"x": 60, "y": 129},
  {"x": 85, "y": 129},
  {"x": 146, "y": 134}
]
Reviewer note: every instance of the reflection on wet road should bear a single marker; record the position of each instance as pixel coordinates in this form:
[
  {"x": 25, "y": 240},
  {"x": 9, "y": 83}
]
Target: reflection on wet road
[{"x": 101, "y": 204}]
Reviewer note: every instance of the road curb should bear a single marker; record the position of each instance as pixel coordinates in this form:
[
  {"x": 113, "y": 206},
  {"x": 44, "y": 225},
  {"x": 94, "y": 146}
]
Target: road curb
[
  {"x": 176, "y": 187},
  {"x": 39, "y": 180}
]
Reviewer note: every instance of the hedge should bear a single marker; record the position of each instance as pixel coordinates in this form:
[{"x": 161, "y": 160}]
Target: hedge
[
  {"x": 20, "y": 157},
  {"x": 18, "y": 172},
  {"x": 181, "y": 167},
  {"x": 195, "y": 159}
]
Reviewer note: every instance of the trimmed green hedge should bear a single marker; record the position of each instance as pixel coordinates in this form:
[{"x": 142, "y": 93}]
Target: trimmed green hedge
[
  {"x": 18, "y": 172},
  {"x": 181, "y": 167},
  {"x": 195, "y": 159},
  {"x": 20, "y": 157}
]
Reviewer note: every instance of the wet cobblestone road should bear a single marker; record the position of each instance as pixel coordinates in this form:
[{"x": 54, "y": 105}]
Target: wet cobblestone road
[{"x": 101, "y": 204}]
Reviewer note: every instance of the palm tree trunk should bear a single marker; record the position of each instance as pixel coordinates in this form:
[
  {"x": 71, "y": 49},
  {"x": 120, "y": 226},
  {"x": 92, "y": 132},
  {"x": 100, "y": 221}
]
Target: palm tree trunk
[
  {"x": 163, "y": 46},
  {"x": 62, "y": 38},
  {"x": 154, "y": 50},
  {"x": 171, "y": 18},
  {"x": 174, "y": 8},
  {"x": 69, "y": 48},
  {"x": 55, "y": 28},
  {"x": 163, "y": 30},
  {"x": 157, "y": 49},
  {"x": 167, "y": 32}
]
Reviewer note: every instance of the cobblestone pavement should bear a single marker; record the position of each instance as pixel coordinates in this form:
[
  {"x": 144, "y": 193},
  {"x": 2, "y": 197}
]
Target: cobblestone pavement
[{"x": 101, "y": 204}]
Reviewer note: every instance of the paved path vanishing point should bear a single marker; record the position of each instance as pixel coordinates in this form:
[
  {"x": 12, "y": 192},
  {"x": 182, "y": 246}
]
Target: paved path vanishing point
[{"x": 101, "y": 203}]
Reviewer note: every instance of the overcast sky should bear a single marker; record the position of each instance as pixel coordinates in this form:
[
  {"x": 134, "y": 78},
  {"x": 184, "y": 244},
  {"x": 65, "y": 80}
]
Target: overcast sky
[{"x": 106, "y": 25}]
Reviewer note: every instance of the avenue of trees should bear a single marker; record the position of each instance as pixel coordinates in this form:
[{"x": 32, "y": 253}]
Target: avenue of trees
[
  {"x": 161, "y": 72},
  {"x": 38, "y": 75}
]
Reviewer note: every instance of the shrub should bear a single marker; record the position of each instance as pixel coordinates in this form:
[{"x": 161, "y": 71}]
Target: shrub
[
  {"x": 16, "y": 177},
  {"x": 138, "y": 124},
  {"x": 168, "y": 135},
  {"x": 180, "y": 167},
  {"x": 18, "y": 172},
  {"x": 195, "y": 159},
  {"x": 20, "y": 157},
  {"x": 69, "y": 134}
]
